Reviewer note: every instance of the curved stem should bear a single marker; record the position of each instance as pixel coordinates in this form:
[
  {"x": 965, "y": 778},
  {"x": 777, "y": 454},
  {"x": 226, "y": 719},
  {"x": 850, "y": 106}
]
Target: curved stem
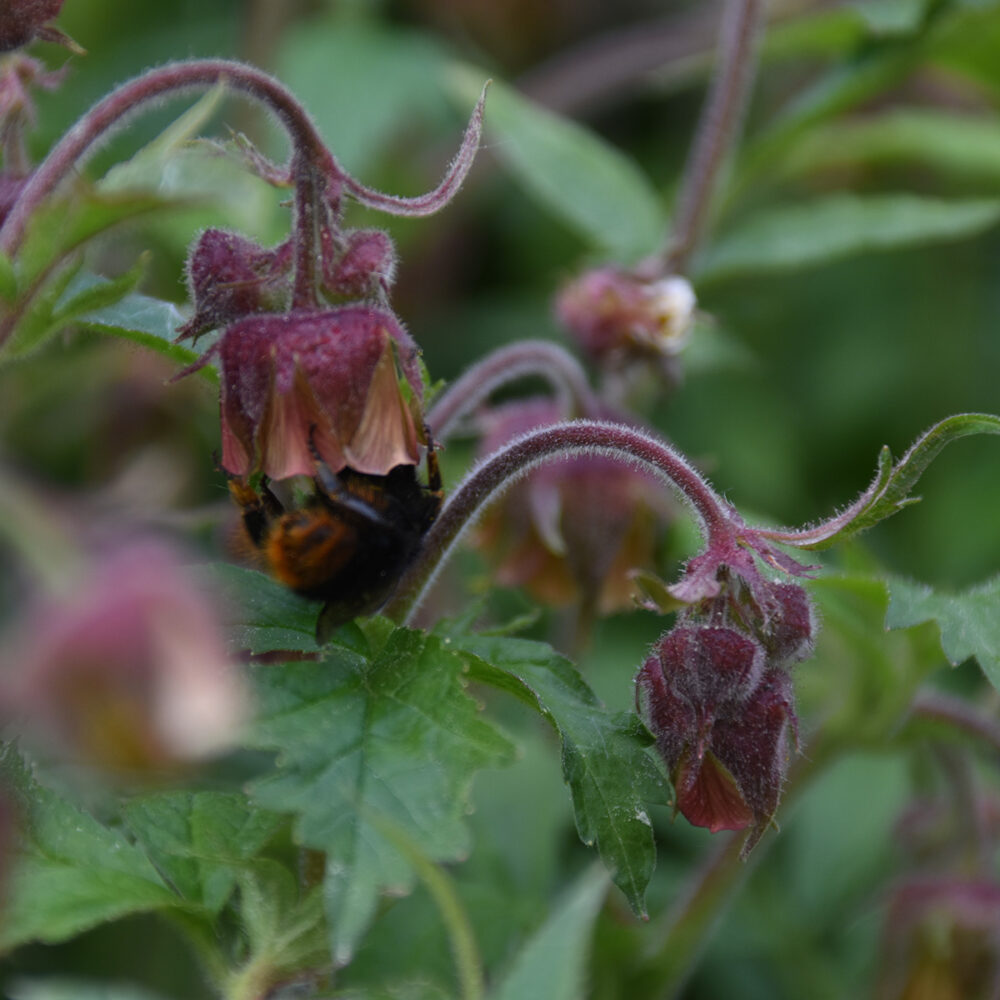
[
  {"x": 526, "y": 357},
  {"x": 719, "y": 123},
  {"x": 115, "y": 109},
  {"x": 578, "y": 437}
]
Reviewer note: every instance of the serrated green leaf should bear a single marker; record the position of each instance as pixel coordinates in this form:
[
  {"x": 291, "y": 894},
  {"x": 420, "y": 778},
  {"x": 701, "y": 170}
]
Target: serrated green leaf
[
  {"x": 596, "y": 188},
  {"x": 200, "y": 841},
  {"x": 264, "y": 615},
  {"x": 839, "y": 225},
  {"x": 969, "y": 620},
  {"x": 71, "y": 873},
  {"x": 368, "y": 742},
  {"x": 963, "y": 146},
  {"x": 553, "y": 963},
  {"x": 611, "y": 777}
]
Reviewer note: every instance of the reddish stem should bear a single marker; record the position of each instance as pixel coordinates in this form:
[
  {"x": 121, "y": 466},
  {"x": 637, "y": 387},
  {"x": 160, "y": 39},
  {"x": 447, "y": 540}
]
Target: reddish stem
[
  {"x": 311, "y": 160},
  {"x": 496, "y": 473},
  {"x": 717, "y": 128},
  {"x": 507, "y": 364}
]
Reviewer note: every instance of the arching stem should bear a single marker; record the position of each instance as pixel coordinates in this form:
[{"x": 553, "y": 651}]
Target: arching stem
[
  {"x": 488, "y": 480},
  {"x": 507, "y": 364}
]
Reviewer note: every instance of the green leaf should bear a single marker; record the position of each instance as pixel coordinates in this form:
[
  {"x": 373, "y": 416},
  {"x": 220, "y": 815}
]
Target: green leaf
[
  {"x": 59, "y": 229},
  {"x": 839, "y": 225},
  {"x": 889, "y": 491},
  {"x": 74, "y": 989},
  {"x": 200, "y": 841},
  {"x": 71, "y": 873},
  {"x": 366, "y": 742},
  {"x": 596, "y": 188},
  {"x": 889, "y": 17},
  {"x": 149, "y": 322},
  {"x": 328, "y": 62},
  {"x": 610, "y": 774},
  {"x": 8, "y": 279},
  {"x": 145, "y": 168},
  {"x": 553, "y": 964},
  {"x": 969, "y": 621},
  {"x": 285, "y": 930},
  {"x": 265, "y": 615},
  {"x": 963, "y": 146}
]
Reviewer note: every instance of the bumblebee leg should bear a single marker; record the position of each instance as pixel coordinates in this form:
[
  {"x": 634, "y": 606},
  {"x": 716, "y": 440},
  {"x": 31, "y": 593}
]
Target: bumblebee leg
[{"x": 334, "y": 490}]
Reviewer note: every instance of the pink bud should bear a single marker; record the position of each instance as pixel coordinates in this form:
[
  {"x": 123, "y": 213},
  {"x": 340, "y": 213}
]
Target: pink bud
[
  {"x": 721, "y": 722},
  {"x": 616, "y": 317},
  {"x": 230, "y": 277},
  {"x": 365, "y": 267}
]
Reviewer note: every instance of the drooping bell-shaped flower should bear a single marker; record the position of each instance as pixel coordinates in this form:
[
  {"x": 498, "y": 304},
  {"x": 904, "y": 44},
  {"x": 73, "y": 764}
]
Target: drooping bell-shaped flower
[
  {"x": 574, "y": 529},
  {"x": 722, "y": 721},
  {"x": 343, "y": 383},
  {"x": 129, "y": 672}
]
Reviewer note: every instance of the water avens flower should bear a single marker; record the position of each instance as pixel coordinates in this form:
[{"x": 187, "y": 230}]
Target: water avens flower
[{"x": 343, "y": 383}]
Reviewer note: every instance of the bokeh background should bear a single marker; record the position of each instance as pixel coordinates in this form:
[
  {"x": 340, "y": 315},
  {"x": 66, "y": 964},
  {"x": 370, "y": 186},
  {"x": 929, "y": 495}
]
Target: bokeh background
[{"x": 797, "y": 374}]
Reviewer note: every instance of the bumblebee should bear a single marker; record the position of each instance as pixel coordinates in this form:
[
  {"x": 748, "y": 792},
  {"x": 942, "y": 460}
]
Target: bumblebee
[{"x": 349, "y": 542}]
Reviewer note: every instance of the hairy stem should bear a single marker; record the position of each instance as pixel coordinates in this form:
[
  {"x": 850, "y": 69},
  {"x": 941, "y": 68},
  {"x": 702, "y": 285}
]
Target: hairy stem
[
  {"x": 114, "y": 110},
  {"x": 496, "y": 473},
  {"x": 507, "y": 364},
  {"x": 717, "y": 128}
]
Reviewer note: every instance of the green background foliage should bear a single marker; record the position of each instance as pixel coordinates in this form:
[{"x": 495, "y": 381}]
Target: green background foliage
[{"x": 850, "y": 299}]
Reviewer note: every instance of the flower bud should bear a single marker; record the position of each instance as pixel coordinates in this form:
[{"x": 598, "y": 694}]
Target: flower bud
[
  {"x": 230, "y": 277},
  {"x": 616, "y": 317},
  {"x": 22, "y": 21},
  {"x": 343, "y": 382},
  {"x": 721, "y": 721},
  {"x": 790, "y": 628},
  {"x": 366, "y": 266},
  {"x": 130, "y": 672}
]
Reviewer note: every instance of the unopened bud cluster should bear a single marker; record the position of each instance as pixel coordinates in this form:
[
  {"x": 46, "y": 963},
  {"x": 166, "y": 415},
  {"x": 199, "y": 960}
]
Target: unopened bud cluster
[{"x": 716, "y": 694}]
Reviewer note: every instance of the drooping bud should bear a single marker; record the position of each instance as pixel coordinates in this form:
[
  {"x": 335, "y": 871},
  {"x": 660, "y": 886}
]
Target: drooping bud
[
  {"x": 365, "y": 268},
  {"x": 574, "y": 529},
  {"x": 722, "y": 721},
  {"x": 343, "y": 382},
  {"x": 230, "y": 277},
  {"x": 22, "y": 21},
  {"x": 131, "y": 672},
  {"x": 616, "y": 317}
]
